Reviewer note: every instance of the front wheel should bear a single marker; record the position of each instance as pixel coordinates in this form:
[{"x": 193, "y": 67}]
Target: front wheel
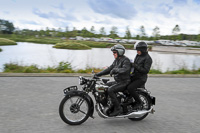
[
  {"x": 146, "y": 106},
  {"x": 74, "y": 109}
]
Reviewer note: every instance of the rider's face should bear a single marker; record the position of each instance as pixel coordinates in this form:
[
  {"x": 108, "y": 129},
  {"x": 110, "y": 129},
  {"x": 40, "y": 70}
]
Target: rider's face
[
  {"x": 139, "y": 52},
  {"x": 115, "y": 54}
]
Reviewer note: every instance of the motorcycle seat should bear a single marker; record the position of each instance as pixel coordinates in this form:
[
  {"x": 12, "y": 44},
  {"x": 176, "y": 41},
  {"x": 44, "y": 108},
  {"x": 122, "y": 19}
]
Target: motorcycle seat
[{"x": 105, "y": 80}]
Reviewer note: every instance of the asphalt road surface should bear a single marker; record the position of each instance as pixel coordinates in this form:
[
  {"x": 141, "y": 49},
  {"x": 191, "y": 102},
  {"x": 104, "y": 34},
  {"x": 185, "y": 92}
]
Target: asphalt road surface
[{"x": 30, "y": 105}]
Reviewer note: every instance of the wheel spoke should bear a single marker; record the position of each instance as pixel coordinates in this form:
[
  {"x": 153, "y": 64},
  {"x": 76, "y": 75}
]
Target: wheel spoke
[{"x": 82, "y": 112}]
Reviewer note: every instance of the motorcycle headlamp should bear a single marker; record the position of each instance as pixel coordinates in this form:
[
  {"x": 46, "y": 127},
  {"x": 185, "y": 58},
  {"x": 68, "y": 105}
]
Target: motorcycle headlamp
[{"x": 82, "y": 80}]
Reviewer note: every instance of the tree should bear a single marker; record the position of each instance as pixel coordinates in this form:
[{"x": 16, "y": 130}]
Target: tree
[
  {"x": 84, "y": 32},
  {"x": 156, "y": 32},
  {"x": 142, "y": 31},
  {"x": 92, "y": 30},
  {"x": 176, "y": 30},
  {"x": 198, "y": 38},
  {"x": 128, "y": 33},
  {"x": 47, "y": 31},
  {"x": 6, "y": 27},
  {"x": 67, "y": 29},
  {"x": 113, "y": 32},
  {"x": 137, "y": 37},
  {"x": 74, "y": 32},
  {"x": 102, "y": 31}
]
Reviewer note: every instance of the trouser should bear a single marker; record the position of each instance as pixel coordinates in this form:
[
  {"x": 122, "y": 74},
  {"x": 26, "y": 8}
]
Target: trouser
[
  {"x": 115, "y": 87},
  {"x": 132, "y": 87}
]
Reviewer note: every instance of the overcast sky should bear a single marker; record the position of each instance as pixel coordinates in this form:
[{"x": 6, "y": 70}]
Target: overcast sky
[{"x": 38, "y": 14}]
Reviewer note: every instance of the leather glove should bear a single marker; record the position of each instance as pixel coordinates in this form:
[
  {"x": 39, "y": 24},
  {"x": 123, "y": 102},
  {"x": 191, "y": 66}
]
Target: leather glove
[
  {"x": 113, "y": 71},
  {"x": 96, "y": 76},
  {"x": 134, "y": 65}
]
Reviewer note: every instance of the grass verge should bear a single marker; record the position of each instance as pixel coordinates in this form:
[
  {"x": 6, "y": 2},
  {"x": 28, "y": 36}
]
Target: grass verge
[{"x": 65, "y": 67}]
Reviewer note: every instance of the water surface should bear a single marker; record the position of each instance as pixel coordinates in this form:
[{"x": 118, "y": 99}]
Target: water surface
[{"x": 45, "y": 55}]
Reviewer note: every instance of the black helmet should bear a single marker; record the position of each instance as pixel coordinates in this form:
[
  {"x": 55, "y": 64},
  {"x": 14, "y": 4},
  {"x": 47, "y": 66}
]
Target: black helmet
[
  {"x": 141, "y": 46},
  {"x": 119, "y": 48}
]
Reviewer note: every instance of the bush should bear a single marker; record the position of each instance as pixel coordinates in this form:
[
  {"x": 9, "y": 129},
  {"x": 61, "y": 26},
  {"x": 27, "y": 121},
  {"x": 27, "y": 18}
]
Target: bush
[
  {"x": 4, "y": 41},
  {"x": 154, "y": 71},
  {"x": 31, "y": 69},
  {"x": 1, "y": 50},
  {"x": 63, "y": 66},
  {"x": 89, "y": 70},
  {"x": 12, "y": 67}
]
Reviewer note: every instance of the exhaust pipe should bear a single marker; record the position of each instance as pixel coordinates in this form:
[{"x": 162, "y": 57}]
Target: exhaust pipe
[
  {"x": 131, "y": 115},
  {"x": 137, "y": 114}
]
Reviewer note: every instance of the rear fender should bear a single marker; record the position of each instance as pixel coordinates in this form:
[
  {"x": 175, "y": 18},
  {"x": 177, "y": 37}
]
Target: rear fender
[{"x": 153, "y": 99}]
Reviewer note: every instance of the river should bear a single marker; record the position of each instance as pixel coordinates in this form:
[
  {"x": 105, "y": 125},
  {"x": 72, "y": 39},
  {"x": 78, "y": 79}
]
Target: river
[{"x": 45, "y": 55}]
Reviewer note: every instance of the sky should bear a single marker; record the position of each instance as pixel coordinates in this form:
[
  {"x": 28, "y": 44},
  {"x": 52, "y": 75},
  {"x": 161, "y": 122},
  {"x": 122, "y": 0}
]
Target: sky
[{"x": 165, "y": 14}]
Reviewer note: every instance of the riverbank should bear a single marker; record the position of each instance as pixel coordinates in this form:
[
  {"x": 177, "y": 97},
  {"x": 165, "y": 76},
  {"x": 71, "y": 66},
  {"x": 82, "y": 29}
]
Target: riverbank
[
  {"x": 173, "y": 49},
  {"x": 4, "y": 41}
]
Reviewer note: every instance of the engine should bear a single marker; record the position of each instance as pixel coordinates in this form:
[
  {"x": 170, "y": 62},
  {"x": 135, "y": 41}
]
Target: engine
[{"x": 101, "y": 90}]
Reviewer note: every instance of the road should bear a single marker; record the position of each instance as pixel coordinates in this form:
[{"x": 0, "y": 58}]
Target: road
[{"x": 30, "y": 105}]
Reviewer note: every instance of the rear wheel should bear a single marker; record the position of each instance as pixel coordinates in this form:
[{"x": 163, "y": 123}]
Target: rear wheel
[
  {"x": 146, "y": 106},
  {"x": 74, "y": 109}
]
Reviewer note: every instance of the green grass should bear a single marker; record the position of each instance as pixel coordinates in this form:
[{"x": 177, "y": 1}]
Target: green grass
[
  {"x": 44, "y": 40},
  {"x": 65, "y": 67},
  {"x": 94, "y": 44},
  {"x": 71, "y": 45},
  {"x": 184, "y": 71},
  {"x": 154, "y": 71},
  {"x": 4, "y": 41}
]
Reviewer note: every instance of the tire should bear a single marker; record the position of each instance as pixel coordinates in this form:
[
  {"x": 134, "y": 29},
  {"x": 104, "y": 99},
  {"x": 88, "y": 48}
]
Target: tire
[
  {"x": 74, "y": 109},
  {"x": 146, "y": 106}
]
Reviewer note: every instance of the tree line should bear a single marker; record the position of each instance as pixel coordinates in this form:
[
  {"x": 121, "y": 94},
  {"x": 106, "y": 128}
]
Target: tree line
[{"x": 7, "y": 27}]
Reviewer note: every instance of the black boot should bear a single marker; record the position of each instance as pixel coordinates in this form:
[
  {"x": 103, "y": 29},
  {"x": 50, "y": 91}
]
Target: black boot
[
  {"x": 138, "y": 104},
  {"x": 117, "y": 110}
]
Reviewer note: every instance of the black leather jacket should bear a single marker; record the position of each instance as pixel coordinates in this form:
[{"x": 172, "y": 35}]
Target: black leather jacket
[
  {"x": 121, "y": 69},
  {"x": 141, "y": 66}
]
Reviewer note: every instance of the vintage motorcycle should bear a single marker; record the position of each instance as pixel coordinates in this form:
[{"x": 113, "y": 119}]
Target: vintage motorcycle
[{"x": 77, "y": 105}]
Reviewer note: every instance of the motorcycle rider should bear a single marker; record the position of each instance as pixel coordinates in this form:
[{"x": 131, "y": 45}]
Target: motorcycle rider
[
  {"x": 120, "y": 68},
  {"x": 140, "y": 68}
]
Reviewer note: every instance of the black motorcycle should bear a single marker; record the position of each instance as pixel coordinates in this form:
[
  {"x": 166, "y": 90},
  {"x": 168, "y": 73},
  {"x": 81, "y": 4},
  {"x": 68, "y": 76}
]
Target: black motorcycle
[{"x": 77, "y": 106}]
